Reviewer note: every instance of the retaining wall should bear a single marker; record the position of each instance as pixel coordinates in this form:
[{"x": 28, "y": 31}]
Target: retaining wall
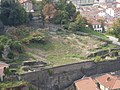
[{"x": 58, "y": 78}]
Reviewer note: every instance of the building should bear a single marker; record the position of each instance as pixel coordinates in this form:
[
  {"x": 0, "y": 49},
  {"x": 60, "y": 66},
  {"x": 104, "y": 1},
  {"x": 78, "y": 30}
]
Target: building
[
  {"x": 110, "y": 11},
  {"x": 27, "y": 4},
  {"x": 86, "y": 84},
  {"x": 118, "y": 1},
  {"x": 106, "y": 1},
  {"x": 108, "y": 82},
  {"x": 104, "y": 82},
  {"x": 97, "y": 26},
  {"x": 2, "y": 66}
]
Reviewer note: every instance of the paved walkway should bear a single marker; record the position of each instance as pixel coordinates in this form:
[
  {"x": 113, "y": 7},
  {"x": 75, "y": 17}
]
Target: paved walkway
[{"x": 114, "y": 40}]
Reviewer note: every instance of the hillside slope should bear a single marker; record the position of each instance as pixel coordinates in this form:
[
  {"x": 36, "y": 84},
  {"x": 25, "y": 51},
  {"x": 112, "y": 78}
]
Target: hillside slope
[
  {"x": 60, "y": 48},
  {"x": 65, "y": 48}
]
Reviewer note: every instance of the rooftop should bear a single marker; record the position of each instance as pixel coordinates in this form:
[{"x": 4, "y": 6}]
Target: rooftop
[
  {"x": 109, "y": 81},
  {"x": 85, "y": 83}
]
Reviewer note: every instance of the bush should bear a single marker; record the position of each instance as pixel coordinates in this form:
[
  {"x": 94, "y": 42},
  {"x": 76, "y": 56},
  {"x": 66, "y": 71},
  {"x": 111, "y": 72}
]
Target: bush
[
  {"x": 16, "y": 45},
  {"x": 50, "y": 72},
  {"x": 35, "y": 37},
  {"x": 4, "y": 39},
  {"x": 10, "y": 55},
  {"x": 7, "y": 71},
  {"x": 98, "y": 59}
]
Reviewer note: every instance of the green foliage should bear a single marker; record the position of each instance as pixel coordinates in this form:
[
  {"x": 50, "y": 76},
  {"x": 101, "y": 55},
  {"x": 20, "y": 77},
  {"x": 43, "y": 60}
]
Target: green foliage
[
  {"x": 30, "y": 16},
  {"x": 98, "y": 59},
  {"x": 6, "y": 84},
  {"x": 10, "y": 55},
  {"x": 12, "y": 13},
  {"x": 65, "y": 12},
  {"x": 50, "y": 72},
  {"x": 4, "y": 39},
  {"x": 116, "y": 29},
  {"x": 7, "y": 71},
  {"x": 62, "y": 17},
  {"x": 1, "y": 49},
  {"x": 14, "y": 46},
  {"x": 35, "y": 37},
  {"x": 73, "y": 26},
  {"x": 71, "y": 9},
  {"x": 79, "y": 24},
  {"x": 102, "y": 24},
  {"x": 2, "y": 30}
]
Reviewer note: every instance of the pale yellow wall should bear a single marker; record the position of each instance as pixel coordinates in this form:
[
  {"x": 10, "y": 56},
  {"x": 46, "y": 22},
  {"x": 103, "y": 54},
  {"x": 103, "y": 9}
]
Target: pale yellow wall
[
  {"x": 117, "y": 0},
  {"x": 101, "y": 87}
]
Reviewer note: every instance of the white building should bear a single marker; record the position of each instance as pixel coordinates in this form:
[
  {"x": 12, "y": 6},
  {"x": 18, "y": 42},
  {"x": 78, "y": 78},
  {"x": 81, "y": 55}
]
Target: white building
[
  {"x": 106, "y": 1},
  {"x": 110, "y": 11},
  {"x": 27, "y": 4},
  {"x": 108, "y": 82},
  {"x": 96, "y": 26}
]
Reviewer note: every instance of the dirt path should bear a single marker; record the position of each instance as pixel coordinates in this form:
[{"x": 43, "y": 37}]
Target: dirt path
[{"x": 114, "y": 40}]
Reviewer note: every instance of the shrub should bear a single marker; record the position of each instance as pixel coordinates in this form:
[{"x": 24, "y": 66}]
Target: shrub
[
  {"x": 16, "y": 45},
  {"x": 98, "y": 59},
  {"x": 35, "y": 37},
  {"x": 7, "y": 71},
  {"x": 10, "y": 55},
  {"x": 50, "y": 72}
]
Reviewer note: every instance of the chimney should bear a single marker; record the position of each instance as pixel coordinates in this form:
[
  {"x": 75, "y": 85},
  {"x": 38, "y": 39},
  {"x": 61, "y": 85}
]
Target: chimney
[{"x": 108, "y": 79}]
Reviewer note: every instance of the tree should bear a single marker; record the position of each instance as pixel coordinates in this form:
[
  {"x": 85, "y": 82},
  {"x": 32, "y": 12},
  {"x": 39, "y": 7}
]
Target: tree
[
  {"x": 79, "y": 24},
  {"x": 65, "y": 12},
  {"x": 116, "y": 28},
  {"x": 2, "y": 30},
  {"x": 49, "y": 11},
  {"x": 12, "y": 13},
  {"x": 73, "y": 26},
  {"x": 59, "y": 13},
  {"x": 61, "y": 17},
  {"x": 71, "y": 9}
]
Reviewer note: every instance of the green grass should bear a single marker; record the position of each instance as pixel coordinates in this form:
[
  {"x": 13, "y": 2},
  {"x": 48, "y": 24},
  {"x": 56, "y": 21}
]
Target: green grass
[
  {"x": 57, "y": 60},
  {"x": 9, "y": 84},
  {"x": 109, "y": 46},
  {"x": 45, "y": 46},
  {"x": 98, "y": 34},
  {"x": 64, "y": 49}
]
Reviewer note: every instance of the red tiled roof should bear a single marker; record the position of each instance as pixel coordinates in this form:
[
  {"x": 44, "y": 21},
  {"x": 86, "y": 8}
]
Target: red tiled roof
[
  {"x": 86, "y": 84},
  {"x": 109, "y": 81}
]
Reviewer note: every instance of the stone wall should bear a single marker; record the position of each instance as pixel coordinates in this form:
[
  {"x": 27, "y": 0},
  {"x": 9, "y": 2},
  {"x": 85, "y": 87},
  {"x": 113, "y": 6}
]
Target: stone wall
[
  {"x": 107, "y": 52},
  {"x": 61, "y": 77}
]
